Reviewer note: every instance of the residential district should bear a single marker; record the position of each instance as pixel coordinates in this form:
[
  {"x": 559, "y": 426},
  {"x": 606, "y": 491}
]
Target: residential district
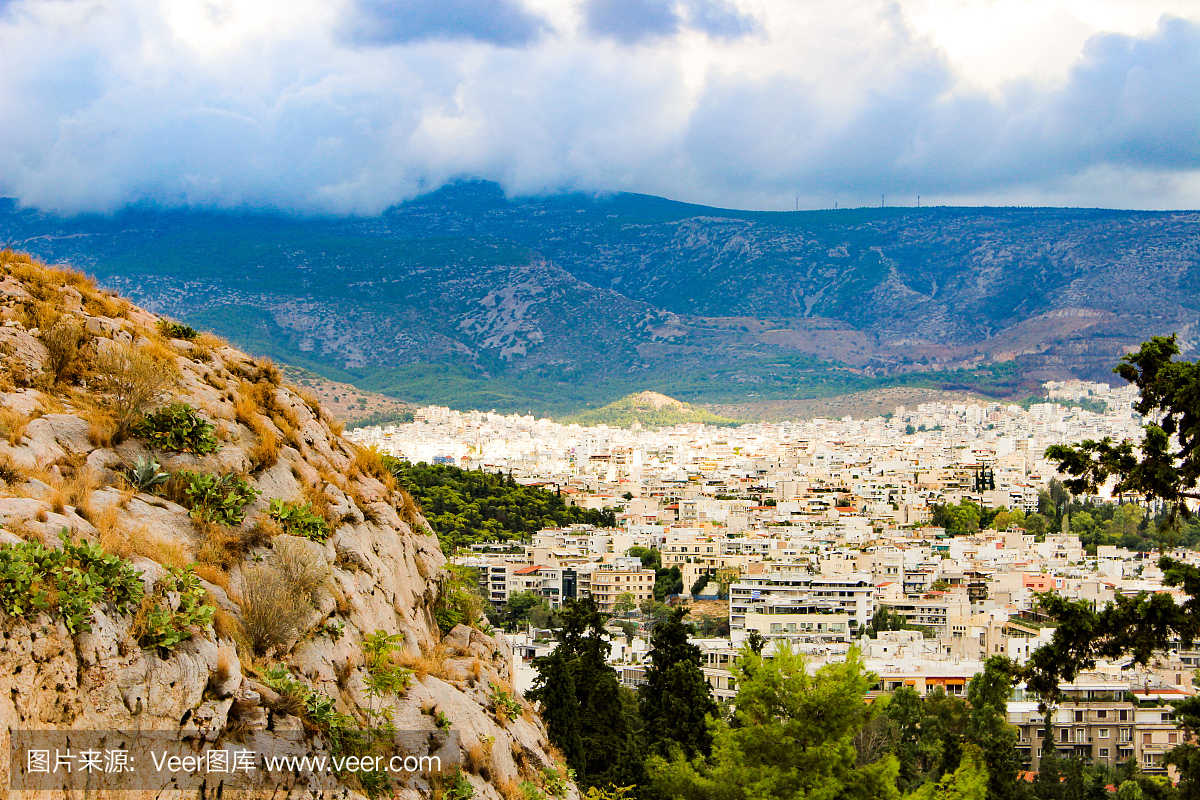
[{"x": 806, "y": 530}]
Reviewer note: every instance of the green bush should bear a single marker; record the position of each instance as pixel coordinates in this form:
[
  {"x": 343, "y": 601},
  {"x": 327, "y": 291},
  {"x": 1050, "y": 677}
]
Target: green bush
[
  {"x": 177, "y": 330},
  {"x": 70, "y": 581},
  {"x": 298, "y": 519},
  {"x": 459, "y": 602},
  {"x": 178, "y": 609},
  {"x": 178, "y": 427},
  {"x": 216, "y": 498},
  {"x": 459, "y": 788},
  {"x": 507, "y": 706}
]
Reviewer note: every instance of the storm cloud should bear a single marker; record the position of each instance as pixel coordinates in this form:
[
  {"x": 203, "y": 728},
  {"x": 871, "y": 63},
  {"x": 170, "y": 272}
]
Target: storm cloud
[{"x": 349, "y": 107}]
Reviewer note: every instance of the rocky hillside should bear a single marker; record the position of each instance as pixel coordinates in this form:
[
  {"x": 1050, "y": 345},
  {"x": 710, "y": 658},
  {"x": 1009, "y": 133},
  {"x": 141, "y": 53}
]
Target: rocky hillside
[
  {"x": 190, "y": 548},
  {"x": 468, "y": 298}
]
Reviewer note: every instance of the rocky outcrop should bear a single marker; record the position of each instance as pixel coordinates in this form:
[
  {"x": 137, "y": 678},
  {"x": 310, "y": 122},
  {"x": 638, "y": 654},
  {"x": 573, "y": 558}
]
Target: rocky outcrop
[{"x": 372, "y": 567}]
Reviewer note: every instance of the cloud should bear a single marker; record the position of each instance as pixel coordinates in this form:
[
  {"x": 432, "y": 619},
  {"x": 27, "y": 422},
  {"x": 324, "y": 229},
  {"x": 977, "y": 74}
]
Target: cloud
[
  {"x": 221, "y": 104},
  {"x": 387, "y": 22},
  {"x": 631, "y": 21},
  {"x": 720, "y": 19}
]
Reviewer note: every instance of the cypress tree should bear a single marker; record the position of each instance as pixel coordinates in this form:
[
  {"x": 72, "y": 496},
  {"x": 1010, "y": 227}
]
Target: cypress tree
[
  {"x": 554, "y": 688},
  {"x": 676, "y": 698}
]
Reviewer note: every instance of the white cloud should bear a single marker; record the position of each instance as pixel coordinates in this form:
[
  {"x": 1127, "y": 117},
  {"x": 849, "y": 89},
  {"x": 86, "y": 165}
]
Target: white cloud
[{"x": 214, "y": 103}]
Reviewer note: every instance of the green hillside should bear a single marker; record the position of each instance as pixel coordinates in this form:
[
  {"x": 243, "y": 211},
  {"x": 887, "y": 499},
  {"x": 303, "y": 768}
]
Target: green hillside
[{"x": 650, "y": 410}]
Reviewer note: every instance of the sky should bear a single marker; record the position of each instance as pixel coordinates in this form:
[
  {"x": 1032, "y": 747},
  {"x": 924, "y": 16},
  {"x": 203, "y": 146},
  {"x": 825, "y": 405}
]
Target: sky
[{"x": 350, "y": 106}]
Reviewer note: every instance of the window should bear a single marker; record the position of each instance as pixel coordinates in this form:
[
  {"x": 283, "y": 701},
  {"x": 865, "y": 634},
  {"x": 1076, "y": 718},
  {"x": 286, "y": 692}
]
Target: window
[
  {"x": 1062, "y": 736},
  {"x": 1104, "y": 752},
  {"x": 1101, "y": 714},
  {"x": 1172, "y": 738},
  {"x": 1123, "y": 715},
  {"x": 1125, "y": 735},
  {"x": 1146, "y": 738},
  {"x": 1079, "y": 716},
  {"x": 1079, "y": 735},
  {"x": 1102, "y": 733}
]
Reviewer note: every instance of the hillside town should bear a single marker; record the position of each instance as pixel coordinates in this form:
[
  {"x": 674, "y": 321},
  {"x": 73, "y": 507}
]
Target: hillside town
[{"x": 808, "y": 533}]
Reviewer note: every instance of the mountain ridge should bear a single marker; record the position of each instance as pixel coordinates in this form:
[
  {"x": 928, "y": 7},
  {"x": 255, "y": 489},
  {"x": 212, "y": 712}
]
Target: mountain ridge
[{"x": 465, "y": 297}]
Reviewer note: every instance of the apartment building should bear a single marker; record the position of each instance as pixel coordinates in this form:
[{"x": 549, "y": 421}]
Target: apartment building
[
  {"x": 610, "y": 581},
  {"x": 1100, "y": 722},
  {"x": 791, "y": 596}
]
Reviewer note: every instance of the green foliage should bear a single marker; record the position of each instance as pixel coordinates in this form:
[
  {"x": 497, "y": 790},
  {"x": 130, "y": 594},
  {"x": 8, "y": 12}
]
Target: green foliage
[
  {"x": 318, "y": 709},
  {"x": 968, "y": 782},
  {"x": 70, "y": 581},
  {"x": 791, "y": 736},
  {"x": 220, "y": 499},
  {"x": 667, "y": 582},
  {"x": 460, "y": 787},
  {"x": 298, "y": 519},
  {"x": 384, "y": 675},
  {"x": 475, "y": 506},
  {"x": 178, "y": 609},
  {"x": 1165, "y": 465},
  {"x": 676, "y": 700},
  {"x": 177, "y": 330},
  {"x": 507, "y": 707},
  {"x": 581, "y": 701},
  {"x": 557, "y": 783},
  {"x": 987, "y": 725},
  {"x": 179, "y": 428},
  {"x": 147, "y": 475},
  {"x": 459, "y": 602},
  {"x": 651, "y": 558}
]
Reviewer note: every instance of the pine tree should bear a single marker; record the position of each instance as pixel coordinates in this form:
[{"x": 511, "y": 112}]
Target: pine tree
[
  {"x": 792, "y": 736},
  {"x": 676, "y": 699},
  {"x": 988, "y": 728}
]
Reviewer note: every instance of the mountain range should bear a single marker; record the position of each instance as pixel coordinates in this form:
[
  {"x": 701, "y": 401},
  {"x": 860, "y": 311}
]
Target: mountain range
[{"x": 468, "y": 298}]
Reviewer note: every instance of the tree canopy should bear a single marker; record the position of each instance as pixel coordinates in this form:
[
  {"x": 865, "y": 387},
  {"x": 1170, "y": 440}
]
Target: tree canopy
[
  {"x": 467, "y": 506},
  {"x": 791, "y": 736}
]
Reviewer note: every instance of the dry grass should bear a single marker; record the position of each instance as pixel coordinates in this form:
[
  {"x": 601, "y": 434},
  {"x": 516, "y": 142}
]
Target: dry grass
[
  {"x": 429, "y": 662},
  {"x": 213, "y": 574},
  {"x": 63, "y": 340},
  {"x": 302, "y": 567},
  {"x": 219, "y": 545},
  {"x": 272, "y": 612},
  {"x": 133, "y": 378},
  {"x": 477, "y": 758},
  {"x": 168, "y": 552},
  {"x": 265, "y": 451},
  {"x": 225, "y": 661},
  {"x": 10, "y": 473},
  {"x": 509, "y": 789},
  {"x": 309, "y": 398},
  {"x": 226, "y": 625},
  {"x": 103, "y": 429},
  {"x": 410, "y": 512},
  {"x": 314, "y": 495},
  {"x": 369, "y": 461},
  {"x": 12, "y": 425},
  {"x": 267, "y": 371},
  {"x": 249, "y": 410},
  {"x": 112, "y": 537}
]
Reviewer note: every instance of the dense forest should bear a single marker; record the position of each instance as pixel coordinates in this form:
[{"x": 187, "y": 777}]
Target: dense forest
[{"x": 467, "y": 506}]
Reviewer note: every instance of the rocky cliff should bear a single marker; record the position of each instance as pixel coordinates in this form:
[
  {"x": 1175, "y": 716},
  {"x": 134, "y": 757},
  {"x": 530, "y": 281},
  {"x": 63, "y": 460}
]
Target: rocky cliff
[{"x": 190, "y": 547}]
